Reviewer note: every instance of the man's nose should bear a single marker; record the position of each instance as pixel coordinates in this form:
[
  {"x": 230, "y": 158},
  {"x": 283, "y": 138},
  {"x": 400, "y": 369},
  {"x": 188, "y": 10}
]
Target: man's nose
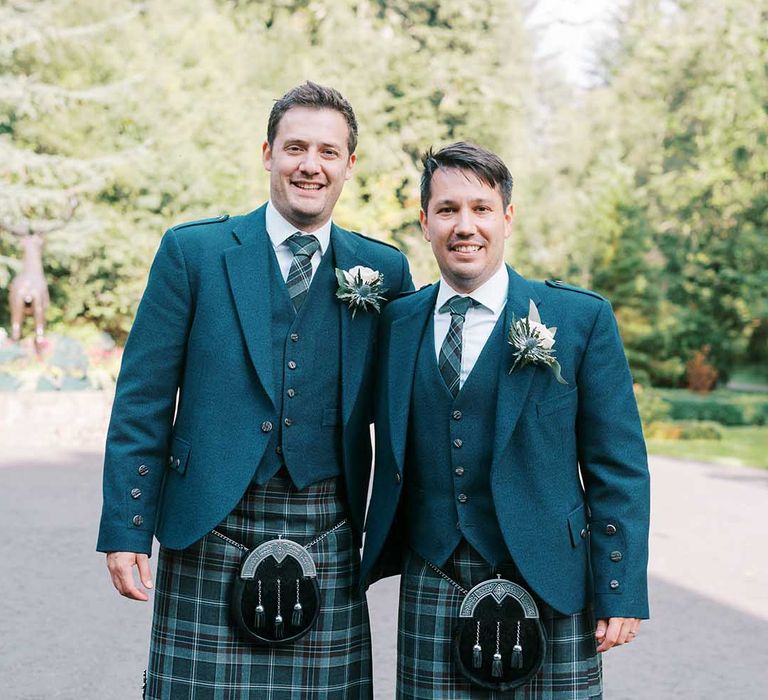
[
  {"x": 465, "y": 223},
  {"x": 310, "y": 164}
]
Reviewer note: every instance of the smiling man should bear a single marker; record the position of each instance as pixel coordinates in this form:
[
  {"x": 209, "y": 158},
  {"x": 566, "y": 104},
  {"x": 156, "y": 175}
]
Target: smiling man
[
  {"x": 511, "y": 487},
  {"x": 269, "y": 438}
]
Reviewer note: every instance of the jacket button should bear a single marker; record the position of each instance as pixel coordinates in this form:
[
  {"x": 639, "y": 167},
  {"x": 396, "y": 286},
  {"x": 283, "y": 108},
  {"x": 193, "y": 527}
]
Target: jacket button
[
  {"x": 614, "y": 584},
  {"x": 143, "y": 470},
  {"x": 457, "y": 443},
  {"x": 583, "y": 533},
  {"x": 170, "y": 460},
  {"x": 295, "y": 337},
  {"x": 398, "y": 478},
  {"x": 266, "y": 426},
  {"x": 291, "y": 393},
  {"x": 456, "y": 415},
  {"x": 288, "y": 422},
  {"x": 137, "y": 520},
  {"x": 291, "y": 364},
  {"x": 462, "y": 498},
  {"x": 135, "y": 493},
  {"x": 459, "y": 471},
  {"x": 178, "y": 462},
  {"x": 616, "y": 556},
  {"x": 279, "y": 450},
  {"x": 610, "y": 529}
]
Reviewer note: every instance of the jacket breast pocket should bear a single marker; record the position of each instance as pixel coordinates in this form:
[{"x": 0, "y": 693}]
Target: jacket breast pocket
[
  {"x": 179, "y": 455},
  {"x": 331, "y": 416},
  {"x": 563, "y": 402}
]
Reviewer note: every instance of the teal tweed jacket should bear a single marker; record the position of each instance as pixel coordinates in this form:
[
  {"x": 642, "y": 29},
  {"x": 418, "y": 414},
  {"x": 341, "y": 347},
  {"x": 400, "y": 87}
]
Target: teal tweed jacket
[
  {"x": 569, "y": 473},
  {"x": 196, "y": 384}
]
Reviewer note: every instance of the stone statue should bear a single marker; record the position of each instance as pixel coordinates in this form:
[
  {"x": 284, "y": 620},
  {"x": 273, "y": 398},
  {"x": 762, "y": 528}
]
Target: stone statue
[{"x": 28, "y": 292}]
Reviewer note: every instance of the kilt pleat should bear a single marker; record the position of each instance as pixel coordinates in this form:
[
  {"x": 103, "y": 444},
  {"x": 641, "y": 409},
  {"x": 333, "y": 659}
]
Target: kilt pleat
[
  {"x": 197, "y": 652},
  {"x": 429, "y": 608}
]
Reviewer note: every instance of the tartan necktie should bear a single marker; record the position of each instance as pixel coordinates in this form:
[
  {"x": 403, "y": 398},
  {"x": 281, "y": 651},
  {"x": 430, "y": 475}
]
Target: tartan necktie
[
  {"x": 300, "y": 274},
  {"x": 449, "y": 362}
]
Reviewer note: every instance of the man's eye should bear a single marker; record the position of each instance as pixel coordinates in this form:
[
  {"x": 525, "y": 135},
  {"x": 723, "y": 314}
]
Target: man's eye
[{"x": 330, "y": 153}]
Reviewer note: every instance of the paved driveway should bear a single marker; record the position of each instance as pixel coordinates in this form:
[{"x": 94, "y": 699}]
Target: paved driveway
[{"x": 64, "y": 633}]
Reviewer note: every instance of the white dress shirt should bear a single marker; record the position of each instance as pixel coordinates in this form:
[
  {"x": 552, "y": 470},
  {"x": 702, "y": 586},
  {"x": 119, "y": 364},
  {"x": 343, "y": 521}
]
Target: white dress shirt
[
  {"x": 479, "y": 321},
  {"x": 279, "y": 230}
]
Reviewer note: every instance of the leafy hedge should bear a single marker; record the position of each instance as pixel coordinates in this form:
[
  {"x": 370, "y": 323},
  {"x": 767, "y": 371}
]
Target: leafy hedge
[{"x": 724, "y": 408}]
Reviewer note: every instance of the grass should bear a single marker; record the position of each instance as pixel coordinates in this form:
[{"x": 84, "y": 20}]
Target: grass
[{"x": 744, "y": 446}]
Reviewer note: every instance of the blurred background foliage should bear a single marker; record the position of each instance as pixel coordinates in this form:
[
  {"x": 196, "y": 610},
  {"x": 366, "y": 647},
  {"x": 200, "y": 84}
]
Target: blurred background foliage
[{"x": 649, "y": 187}]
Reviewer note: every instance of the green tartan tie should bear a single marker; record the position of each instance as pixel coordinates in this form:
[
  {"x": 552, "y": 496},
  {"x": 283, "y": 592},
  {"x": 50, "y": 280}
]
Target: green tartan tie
[
  {"x": 450, "y": 351},
  {"x": 300, "y": 274}
]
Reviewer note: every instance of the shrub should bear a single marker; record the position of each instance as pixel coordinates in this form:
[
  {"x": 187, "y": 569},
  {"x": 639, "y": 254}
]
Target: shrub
[
  {"x": 699, "y": 374},
  {"x": 684, "y": 430},
  {"x": 701, "y": 430},
  {"x": 652, "y": 408}
]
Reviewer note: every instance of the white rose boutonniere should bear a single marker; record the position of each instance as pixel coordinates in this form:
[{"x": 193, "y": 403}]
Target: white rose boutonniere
[
  {"x": 532, "y": 343},
  {"x": 361, "y": 287}
]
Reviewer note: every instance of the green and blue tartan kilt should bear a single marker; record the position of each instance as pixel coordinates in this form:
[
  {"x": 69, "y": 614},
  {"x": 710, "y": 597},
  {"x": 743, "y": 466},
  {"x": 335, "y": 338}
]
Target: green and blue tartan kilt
[
  {"x": 429, "y": 609},
  {"x": 197, "y": 652}
]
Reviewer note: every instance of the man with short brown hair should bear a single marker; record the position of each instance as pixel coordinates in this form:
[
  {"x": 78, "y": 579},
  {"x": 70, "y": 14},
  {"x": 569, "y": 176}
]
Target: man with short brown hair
[{"x": 255, "y": 485}]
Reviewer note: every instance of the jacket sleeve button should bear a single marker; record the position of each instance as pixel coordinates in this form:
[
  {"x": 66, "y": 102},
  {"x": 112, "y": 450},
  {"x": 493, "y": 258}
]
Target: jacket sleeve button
[
  {"x": 135, "y": 493},
  {"x": 266, "y": 426},
  {"x": 614, "y": 584},
  {"x": 143, "y": 470},
  {"x": 138, "y": 520},
  {"x": 616, "y": 556},
  {"x": 610, "y": 529}
]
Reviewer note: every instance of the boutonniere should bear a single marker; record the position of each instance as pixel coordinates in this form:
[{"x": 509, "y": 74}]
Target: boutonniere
[
  {"x": 361, "y": 287},
  {"x": 532, "y": 343}
]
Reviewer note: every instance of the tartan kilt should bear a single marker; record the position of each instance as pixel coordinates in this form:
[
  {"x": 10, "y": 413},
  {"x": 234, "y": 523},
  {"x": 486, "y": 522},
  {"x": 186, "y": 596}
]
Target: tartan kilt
[
  {"x": 429, "y": 609},
  {"x": 197, "y": 651}
]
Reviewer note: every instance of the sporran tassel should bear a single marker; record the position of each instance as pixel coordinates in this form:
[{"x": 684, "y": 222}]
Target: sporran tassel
[
  {"x": 278, "y": 617},
  {"x": 259, "y": 616},
  {"x": 477, "y": 651},
  {"x": 297, "y": 616},
  {"x": 517, "y": 651},
  {"x": 517, "y": 656},
  {"x": 496, "y": 666}
]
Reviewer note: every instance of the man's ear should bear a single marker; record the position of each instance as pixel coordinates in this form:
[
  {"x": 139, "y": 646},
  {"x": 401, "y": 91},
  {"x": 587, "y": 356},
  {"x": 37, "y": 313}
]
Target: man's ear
[
  {"x": 352, "y": 160},
  {"x": 509, "y": 216},
  {"x": 423, "y": 222},
  {"x": 266, "y": 156}
]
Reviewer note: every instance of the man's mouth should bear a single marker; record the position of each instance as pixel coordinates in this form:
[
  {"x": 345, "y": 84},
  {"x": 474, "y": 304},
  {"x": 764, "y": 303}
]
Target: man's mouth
[
  {"x": 465, "y": 248},
  {"x": 309, "y": 186}
]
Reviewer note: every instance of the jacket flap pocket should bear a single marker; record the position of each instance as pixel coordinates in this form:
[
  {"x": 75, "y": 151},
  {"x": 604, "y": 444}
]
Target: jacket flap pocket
[
  {"x": 179, "y": 455},
  {"x": 577, "y": 525},
  {"x": 558, "y": 403}
]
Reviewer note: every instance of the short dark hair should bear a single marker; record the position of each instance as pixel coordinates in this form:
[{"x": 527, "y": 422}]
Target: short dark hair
[
  {"x": 486, "y": 166},
  {"x": 319, "y": 97}
]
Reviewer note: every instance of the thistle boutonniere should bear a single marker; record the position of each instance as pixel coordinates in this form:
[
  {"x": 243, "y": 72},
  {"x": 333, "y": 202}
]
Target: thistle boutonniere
[
  {"x": 532, "y": 343},
  {"x": 361, "y": 287}
]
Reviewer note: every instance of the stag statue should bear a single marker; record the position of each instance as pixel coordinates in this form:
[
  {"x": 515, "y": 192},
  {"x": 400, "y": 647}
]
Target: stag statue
[{"x": 28, "y": 292}]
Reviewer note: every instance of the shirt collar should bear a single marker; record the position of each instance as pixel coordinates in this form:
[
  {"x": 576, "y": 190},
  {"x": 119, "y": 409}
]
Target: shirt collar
[
  {"x": 492, "y": 294},
  {"x": 279, "y": 229}
]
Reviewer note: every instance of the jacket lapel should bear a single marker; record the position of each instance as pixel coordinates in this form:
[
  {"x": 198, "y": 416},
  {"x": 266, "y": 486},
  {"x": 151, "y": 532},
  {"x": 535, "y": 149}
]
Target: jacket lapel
[
  {"x": 513, "y": 388},
  {"x": 356, "y": 333},
  {"x": 406, "y": 337},
  {"x": 249, "y": 278}
]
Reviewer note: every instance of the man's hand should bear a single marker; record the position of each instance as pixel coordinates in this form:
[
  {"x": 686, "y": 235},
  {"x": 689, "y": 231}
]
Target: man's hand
[
  {"x": 615, "y": 631},
  {"x": 120, "y": 565}
]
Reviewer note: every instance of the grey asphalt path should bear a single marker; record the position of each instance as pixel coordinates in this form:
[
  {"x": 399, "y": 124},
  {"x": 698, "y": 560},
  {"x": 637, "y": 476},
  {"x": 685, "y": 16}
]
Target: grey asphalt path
[{"x": 64, "y": 633}]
